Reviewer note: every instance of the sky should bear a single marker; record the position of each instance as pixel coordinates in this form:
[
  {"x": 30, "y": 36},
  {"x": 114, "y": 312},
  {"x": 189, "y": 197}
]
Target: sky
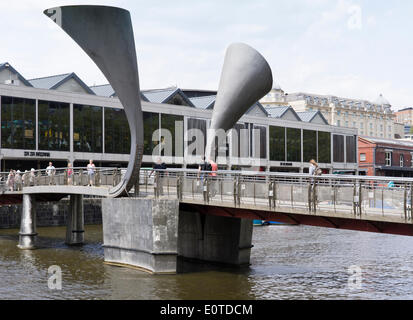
[{"x": 349, "y": 48}]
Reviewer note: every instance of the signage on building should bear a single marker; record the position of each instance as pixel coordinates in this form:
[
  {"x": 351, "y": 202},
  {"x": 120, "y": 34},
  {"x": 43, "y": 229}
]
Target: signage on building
[
  {"x": 286, "y": 164},
  {"x": 37, "y": 154}
]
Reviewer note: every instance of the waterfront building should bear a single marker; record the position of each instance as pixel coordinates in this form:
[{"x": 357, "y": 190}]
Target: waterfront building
[
  {"x": 385, "y": 157},
  {"x": 61, "y": 119},
  {"x": 374, "y": 119}
]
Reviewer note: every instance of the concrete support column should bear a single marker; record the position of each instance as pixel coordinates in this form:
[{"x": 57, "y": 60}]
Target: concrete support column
[
  {"x": 75, "y": 230},
  {"x": 141, "y": 233},
  {"x": 215, "y": 239},
  {"x": 28, "y": 234}
]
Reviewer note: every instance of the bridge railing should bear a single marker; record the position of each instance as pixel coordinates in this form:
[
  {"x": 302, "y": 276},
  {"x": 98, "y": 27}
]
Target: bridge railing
[
  {"x": 343, "y": 195},
  {"x": 78, "y": 176}
]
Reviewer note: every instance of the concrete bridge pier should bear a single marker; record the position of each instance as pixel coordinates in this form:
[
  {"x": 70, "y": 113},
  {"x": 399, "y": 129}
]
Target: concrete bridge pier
[
  {"x": 141, "y": 233},
  {"x": 28, "y": 234},
  {"x": 149, "y": 234},
  {"x": 214, "y": 238},
  {"x": 75, "y": 229}
]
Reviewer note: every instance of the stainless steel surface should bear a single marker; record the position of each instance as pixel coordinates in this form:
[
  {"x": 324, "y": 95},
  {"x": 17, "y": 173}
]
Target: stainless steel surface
[
  {"x": 106, "y": 35},
  {"x": 246, "y": 77}
]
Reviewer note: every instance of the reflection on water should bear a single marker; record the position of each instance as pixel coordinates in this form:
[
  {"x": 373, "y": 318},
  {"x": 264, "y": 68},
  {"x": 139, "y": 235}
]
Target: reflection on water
[{"x": 288, "y": 262}]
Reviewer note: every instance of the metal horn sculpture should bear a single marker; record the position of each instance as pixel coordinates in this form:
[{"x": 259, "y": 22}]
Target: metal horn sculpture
[
  {"x": 106, "y": 35},
  {"x": 246, "y": 77}
]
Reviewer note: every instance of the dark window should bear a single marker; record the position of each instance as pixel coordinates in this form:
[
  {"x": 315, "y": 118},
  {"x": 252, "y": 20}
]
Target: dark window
[
  {"x": 293, "y": 145},
  {"x": 54, "y": 126},
  {"x": 117, "y": 133},
  {"x": 260, "y": 142},
  {"x": 199, "y": 136},
  {"x": 173, "y": 125},
  {"x": 240, "y": 141},
  {"x": 351, "y": 149},
  {"x": 87, "y": 128},
  {"x": 277, "y": 143},
  {"x": 150, "y": 125},
  {"x": 310, "y": 145},
  {"x": 18, "y": 123},
  {"x": 324, "y": 147},
  {"x": 338, "y": 148}
]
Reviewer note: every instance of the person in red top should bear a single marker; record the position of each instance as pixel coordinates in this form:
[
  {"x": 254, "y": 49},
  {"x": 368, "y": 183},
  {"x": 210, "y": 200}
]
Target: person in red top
[{"x": 214, "y": 168}]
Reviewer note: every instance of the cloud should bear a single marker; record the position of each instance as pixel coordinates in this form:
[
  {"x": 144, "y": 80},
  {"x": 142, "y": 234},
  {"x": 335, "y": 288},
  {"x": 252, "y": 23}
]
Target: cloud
[{"x": 308, "y": 43}]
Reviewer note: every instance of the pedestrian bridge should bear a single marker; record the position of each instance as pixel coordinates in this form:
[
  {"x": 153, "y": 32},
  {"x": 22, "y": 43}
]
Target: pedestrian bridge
[
  {"x": 206, "y": 215},
  {"x": 377, "y": 204}
]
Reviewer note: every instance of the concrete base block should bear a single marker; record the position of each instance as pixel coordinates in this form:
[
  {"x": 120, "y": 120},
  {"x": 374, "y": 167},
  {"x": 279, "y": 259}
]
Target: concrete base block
[
  {"x": 141, "y": 233},
  {"x": 215, "y": 239}
]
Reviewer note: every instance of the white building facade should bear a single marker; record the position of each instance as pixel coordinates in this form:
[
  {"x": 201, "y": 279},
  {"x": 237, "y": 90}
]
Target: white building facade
[{"x": 374, "y": 119}]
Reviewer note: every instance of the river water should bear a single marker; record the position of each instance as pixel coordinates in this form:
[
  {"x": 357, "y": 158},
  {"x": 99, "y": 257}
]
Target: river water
[{"x": 287, "y": 262}]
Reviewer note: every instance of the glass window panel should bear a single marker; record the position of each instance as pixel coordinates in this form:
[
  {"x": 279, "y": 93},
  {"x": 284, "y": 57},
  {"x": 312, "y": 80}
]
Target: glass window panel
[
  {"x": 150, "y": 124},
  {"x": 54, "y": 126},
  {"x": 351, "y": 149},
  {"x": 117, "y": 133},
  {"x": 277, "y": 143},
  {"x": 173, "y": 123},
  {"x": 338, "y": 147},
  {"x": 293, "y": 145},
  {"x": 260, "y": 142},
  {"x": 201, "y": 125},
  {"x": 18, "y": 123},
  {"x": 324, "y": 147},
  {"x": 87, "y": 128},
  {"x": 310, "y": 145}
]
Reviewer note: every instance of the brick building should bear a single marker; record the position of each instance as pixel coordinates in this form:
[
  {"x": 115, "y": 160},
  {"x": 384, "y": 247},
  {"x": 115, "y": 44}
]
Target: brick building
[{"x": 385, "y": 157}]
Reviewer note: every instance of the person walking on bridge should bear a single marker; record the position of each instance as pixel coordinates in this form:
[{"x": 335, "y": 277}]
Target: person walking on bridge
[
  {"x": 10, "y": 180},
  {"x": 69, "y": 174},
  {"x": 91, "y": 169},
  {"x": 51, "y": 171},
  {"x": 158, "y": 168},
  {"x": 213, "y": 174}
]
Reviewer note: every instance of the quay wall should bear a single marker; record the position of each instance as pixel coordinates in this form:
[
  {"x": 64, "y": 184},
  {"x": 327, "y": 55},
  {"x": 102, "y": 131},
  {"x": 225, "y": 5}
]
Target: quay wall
[{"x": 50, "y": 214}]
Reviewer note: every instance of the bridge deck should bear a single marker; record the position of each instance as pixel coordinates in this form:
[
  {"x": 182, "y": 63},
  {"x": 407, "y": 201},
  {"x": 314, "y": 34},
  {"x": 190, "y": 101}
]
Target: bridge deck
[{"x": 268, "y": 195}]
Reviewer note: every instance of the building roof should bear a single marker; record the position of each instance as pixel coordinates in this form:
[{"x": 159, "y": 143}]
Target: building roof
[
  {"x": 164, "y": 95},
  {"x": 280, "y": 111},
  {"x": 6, "y": 65},
  {"x": 382, "y": 101},
  {"x": 260, "y": 106},
  {"x": 309, "y": 116},
  {"x": 54, "y": 82},
  {"x": 276, "y": 86},
  {"x": 387, "y": 141},
  {"x": 205, "y": 102},
  {"x": 104, "y": 90}
]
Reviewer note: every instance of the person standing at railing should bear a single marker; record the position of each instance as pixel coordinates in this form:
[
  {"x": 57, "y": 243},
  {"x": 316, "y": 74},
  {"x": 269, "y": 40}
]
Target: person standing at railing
[
  {"x": 91, "y": 170},
  {"x": 51, "y": 171},
  {"x": 10, "y": 180},
  {"x": 69, "y": 174},
  {"x": 205, "y": 166},
  {"x": 158, "y": 168},
  {"x": 32, "y": 177},
  {"x": 25, "y": 178},
  {"x": 18, "y": 181},
  {"x": 213, "y": 174}
]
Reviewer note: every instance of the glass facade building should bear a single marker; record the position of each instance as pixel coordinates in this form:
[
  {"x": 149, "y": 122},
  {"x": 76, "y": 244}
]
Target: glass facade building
[
  {"x": 117, "y": 133},
  {"x": 54, "y": 126},
  {"x": 18, "y": 123},
  {"x": 78, "y": 127},
  {"x": 87, "y": 128}
]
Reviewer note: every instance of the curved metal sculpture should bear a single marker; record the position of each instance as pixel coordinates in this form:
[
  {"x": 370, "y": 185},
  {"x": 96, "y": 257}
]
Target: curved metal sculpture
[
  {"x": 246, "y": 77},
  {"x": 106, "y": 35}
]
